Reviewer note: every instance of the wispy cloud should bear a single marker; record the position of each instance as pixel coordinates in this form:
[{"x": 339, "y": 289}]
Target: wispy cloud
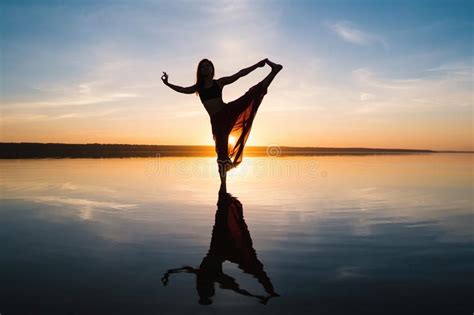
[
  {"x": 445, "y": 91},
  {"x": 366, "y": 76},
  {"x": 459, "y": 71},
  {"x": 29, "y": 117},
  {"x": 89, "y": 100},
  {"x": 57, "y": 95},
  {"x": 352, "y": 34}
]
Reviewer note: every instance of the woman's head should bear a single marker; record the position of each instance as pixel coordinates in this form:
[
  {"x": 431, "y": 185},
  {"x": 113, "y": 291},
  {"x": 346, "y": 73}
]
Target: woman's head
[{"x": 205, "y": 68}]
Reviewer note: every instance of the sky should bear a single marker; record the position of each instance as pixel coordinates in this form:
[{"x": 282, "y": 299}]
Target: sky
[{"x": 384, "y": 74}]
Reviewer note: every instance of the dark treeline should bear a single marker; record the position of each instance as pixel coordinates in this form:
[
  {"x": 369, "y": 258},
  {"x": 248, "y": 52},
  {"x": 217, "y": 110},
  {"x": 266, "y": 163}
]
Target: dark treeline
[{"x": 97, "y": 150}]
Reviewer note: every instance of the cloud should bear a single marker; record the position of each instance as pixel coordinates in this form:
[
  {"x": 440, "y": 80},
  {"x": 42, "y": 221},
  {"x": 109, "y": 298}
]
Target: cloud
[
  {"x": 460, "y": 71},
  {"x": 366, "y": 96},
  {"x": 445, "y": 90},
  {"x": 30, "y": 117},
  {"x": 72, "y": 95},
  {"x": 350, "y": 33},
  {"x": 365, "y": 76}
]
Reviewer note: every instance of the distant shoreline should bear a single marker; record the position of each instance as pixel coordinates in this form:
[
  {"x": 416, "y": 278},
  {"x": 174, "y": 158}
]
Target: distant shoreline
[{"x": 96, "y": 150}]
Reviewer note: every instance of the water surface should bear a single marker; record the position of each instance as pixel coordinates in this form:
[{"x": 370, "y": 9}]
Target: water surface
[{"x": 334, "y": 235}]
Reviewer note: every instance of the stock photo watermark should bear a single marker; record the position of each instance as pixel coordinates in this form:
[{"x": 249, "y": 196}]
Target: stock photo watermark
[{"x": 273, "y": 163}]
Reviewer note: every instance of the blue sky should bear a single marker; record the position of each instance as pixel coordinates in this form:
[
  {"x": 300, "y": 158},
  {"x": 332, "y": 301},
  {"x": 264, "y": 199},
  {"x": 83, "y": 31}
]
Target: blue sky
[{"x": 356, "y": 73}]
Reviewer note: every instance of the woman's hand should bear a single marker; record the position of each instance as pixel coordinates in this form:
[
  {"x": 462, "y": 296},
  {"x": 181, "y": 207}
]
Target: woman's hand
[
  {"x": 262, "y": 63},
  {"x": 164, "y": 77}
]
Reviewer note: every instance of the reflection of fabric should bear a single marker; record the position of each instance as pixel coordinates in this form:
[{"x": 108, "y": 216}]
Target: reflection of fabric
[
  {"x": 231, "y": 240},
  {"x": 235, "y": 120}
]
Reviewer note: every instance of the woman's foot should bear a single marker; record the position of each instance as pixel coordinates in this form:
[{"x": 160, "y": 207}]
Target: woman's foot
[
  {"x": 275, "y": 67},
  {"x": 228, "y": 164}
]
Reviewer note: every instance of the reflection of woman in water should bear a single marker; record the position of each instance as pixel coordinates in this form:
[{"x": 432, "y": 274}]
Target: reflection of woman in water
[
  {"x": 231, "y": 122},
  {"x": 230, "y": 241}
]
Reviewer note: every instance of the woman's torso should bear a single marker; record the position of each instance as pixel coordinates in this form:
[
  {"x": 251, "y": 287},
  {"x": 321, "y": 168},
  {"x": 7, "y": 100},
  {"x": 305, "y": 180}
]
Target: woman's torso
[{"x": 211, "y": 98}]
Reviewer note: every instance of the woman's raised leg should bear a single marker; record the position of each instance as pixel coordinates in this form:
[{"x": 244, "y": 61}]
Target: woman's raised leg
[{"x": 269, "y": 78}]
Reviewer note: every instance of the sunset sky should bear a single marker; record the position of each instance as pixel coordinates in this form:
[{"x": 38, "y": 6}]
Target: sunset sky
[{"x": 388, "y": 74}]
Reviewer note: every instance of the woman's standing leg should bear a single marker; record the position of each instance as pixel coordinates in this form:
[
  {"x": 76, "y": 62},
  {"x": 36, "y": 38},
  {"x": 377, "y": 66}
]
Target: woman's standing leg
[{"x": 222, "y": 150}]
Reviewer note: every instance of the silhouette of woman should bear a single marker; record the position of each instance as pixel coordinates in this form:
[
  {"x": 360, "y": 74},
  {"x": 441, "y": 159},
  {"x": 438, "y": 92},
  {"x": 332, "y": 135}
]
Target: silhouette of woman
[
  {"x": 230, "y": 241},
  {"x": 232, "y": 120}
]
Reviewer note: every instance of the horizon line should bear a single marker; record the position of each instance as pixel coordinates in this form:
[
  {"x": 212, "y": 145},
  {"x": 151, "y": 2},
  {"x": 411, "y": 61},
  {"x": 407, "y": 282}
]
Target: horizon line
[{"x": 250, "y": 146}]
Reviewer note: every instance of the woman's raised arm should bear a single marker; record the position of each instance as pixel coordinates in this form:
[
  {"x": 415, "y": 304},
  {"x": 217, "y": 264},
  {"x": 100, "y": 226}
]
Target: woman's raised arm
[
  {"x": 177, "y": 88},
  {"x": 241, "y": 73}
]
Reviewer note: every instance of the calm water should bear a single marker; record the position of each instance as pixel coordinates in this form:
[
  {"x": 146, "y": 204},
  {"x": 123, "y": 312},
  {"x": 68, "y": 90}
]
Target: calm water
[{"x": 332, "y": 235}]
